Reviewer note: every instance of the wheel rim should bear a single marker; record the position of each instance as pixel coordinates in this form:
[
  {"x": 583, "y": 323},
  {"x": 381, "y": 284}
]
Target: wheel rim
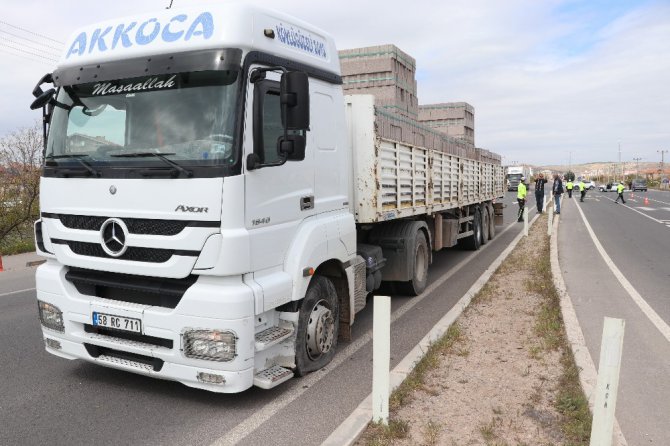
[
  {"x": 420, "y": 262},
  {"x": 320, "y": 330}
]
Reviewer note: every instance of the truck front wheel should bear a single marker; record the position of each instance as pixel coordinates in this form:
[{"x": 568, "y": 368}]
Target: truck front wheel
[{"x": 318, "y": 324}]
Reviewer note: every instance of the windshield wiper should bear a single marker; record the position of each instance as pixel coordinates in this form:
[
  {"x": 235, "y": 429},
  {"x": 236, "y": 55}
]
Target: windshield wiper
[
  {"x": 161, "y": 155},
  {"x": 78, "y": 157}
]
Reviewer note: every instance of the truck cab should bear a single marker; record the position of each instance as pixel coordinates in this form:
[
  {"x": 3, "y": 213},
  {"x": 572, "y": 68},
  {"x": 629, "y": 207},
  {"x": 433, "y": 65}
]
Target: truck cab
[{"x": 195, "y": 203}]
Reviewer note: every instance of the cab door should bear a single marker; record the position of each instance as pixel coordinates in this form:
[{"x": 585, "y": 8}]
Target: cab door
[{"x": 277, "y": 198}]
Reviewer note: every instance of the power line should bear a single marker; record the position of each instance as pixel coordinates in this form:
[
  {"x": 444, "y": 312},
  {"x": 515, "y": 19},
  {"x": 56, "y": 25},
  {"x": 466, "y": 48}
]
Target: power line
[
  {"x": 32, "y": 58},
  {"x": 31, "y": 32},
  {"x": 31, "y": 40},
  {"x": 28, "y": 47},
  {"x": 27, "y": 52}
]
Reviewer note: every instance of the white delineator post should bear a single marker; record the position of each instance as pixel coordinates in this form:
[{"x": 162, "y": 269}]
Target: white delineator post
[
  {"x": 525, "y": 221},
  {"x": 381, "y": 359},
  {"x": 550, "y": 219},
  {"x": 607, "y": 385}
]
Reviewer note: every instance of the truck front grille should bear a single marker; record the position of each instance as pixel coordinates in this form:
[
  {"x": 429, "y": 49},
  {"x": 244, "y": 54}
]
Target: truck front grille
[
  {"x": 153, "y": 291},
  {"x": 144, "y": 226},
  {"x": 133, "y": 253}
]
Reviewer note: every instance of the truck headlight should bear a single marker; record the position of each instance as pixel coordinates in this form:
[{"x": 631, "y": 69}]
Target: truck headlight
[
  {"x": 212, "y": 345},
  {"x": 50, "y": 316}
]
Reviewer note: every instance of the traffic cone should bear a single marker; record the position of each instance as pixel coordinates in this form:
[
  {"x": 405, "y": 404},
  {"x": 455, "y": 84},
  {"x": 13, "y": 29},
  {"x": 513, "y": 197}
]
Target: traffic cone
[
  {"x": 631, "y": 195},
  {"x": 646, "y": 201}
]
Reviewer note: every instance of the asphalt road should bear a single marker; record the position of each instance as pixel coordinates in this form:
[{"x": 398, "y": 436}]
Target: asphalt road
[
  {"x": 636, "y": 237},
  {"x": 46, "y": 399}
]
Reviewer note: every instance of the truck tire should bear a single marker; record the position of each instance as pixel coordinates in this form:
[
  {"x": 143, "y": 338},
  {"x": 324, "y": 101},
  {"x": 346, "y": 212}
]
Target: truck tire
[
  {"x": 318, "y": 326},
  {"x": 492, "y": 221},
  {"x": 486, "y": 223},
  {"x": 473, "y": 241},
  {"x": 421, "y": 259}
]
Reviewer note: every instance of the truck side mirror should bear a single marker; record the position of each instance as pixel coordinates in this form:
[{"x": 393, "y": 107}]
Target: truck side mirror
[
  {"x": 292, "y": 147},
  {"x": 294, "y": 96},
  {"x": 43, "y": 99}
]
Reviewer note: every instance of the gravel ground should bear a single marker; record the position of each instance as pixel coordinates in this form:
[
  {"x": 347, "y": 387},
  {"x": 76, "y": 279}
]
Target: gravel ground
[{"x": 496, "y": 384}]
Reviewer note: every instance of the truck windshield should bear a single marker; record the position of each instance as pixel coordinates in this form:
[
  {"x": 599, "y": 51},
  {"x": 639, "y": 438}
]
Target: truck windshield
[{"x": 185, "y": 117}]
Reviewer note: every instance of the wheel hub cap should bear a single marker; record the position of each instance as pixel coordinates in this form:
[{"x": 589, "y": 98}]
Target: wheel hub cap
[{"x": 320, "y": 331}]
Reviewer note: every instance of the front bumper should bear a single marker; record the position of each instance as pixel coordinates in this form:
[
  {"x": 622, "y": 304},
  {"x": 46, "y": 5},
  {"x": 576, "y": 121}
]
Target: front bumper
[{"x": 221, "y": 303}]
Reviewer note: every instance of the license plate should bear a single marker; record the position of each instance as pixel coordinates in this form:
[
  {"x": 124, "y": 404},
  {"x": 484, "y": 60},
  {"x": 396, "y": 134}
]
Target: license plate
[{"x": 117, "y": 322}]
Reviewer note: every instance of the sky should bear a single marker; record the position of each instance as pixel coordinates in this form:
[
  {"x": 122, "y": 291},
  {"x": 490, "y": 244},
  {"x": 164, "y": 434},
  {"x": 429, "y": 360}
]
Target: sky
[{"x": 552, "y": 81}]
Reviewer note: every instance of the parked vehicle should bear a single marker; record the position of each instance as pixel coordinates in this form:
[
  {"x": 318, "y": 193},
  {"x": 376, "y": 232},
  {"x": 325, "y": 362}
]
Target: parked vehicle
[
  {"x": 588, "y": 184},
  {"x": 609, "y": 187},
  {"x": 215, "y": 211},
  {"x": 639, "y": 184}
]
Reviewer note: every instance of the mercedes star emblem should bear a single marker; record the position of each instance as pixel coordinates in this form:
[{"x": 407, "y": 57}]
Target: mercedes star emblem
[
  {"x": 113, "y": 236},
  {"x": 112, "y": 189}
]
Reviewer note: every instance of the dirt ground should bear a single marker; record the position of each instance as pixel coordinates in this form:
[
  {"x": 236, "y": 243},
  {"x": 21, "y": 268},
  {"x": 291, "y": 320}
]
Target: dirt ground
[{"x": 496, "y": 384}]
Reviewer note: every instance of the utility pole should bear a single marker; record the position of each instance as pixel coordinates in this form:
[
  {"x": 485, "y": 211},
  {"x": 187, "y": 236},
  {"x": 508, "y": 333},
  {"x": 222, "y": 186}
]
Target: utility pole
[
  {"x": 637, "y": 168},
  {"x": 570, "y": 161},
  {"x": 620, "y": 165},
  {"x": 662, "y": 166}
]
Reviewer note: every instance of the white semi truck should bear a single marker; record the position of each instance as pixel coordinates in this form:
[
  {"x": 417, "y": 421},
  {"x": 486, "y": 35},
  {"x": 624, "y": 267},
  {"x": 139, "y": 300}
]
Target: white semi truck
[
  {"x": 514, "y": 175},
  {"x": 215, "y": 212}
]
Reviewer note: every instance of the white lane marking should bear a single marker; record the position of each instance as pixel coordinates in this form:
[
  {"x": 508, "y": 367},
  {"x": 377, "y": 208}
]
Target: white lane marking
[
  {"x": 658, "y": 201},
  {"x": 642, "y": 208},
  {"x": 16, "y": 292},
  {"x": 632, "y": 292},
  {"x": 254, "y": 421},
  {"x": 636, "y": 210}
]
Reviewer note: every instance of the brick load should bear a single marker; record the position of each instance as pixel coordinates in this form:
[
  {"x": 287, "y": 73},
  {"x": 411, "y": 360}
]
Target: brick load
[
  {"x": 455, "y": 119},
  {"x": 384, "y": 71},
  {"x": 389, "y": 74}
]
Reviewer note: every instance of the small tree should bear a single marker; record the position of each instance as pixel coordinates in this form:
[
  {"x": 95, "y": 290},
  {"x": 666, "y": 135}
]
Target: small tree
[
  {"x": 569, "y": 175},
  {"x": 20, "y": 162}
]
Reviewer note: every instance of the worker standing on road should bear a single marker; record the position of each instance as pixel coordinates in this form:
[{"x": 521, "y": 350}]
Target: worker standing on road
[
  {"x": 569, "y": 187},
  {"x": 619, "y": 189},
  {"x": 582, "y": 190},
  {"x": 521, "y": 197},
  {"x": 557, "y": 191},
  {"x": 539, "y": 191}
]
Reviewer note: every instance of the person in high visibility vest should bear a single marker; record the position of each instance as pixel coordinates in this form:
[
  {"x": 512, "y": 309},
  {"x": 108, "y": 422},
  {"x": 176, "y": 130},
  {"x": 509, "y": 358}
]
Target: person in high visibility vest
[
  {"x": 582, "y": 190},
  {"x": 569, "y": 187},
  {"x": 521, "y": 197},
  {"x": 619, "y": 190}
]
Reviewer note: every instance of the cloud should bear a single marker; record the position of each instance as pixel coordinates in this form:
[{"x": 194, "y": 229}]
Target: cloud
[{"x": 545, "y": 78}]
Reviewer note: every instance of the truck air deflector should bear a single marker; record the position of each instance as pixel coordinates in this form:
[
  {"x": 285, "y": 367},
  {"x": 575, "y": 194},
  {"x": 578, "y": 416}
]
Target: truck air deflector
[{"x": 203, "y": 60}]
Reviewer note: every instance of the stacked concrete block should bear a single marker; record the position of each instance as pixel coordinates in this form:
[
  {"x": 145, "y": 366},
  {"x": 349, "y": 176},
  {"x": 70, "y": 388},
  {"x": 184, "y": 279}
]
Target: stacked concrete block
[
  {"x": 388, "y": 73},
  {"x": 455, "y": 119},
  {"x": 402, "y": 129},
  {"x": 384, "y": 71}
]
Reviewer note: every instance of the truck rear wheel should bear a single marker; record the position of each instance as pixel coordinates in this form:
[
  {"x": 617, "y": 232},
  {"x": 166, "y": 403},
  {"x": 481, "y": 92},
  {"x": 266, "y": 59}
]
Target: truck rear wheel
[
  {"x": 492, "y": 221},
  {"x": 421, "y": 258},
  {"x": 318, "y": 326},
  {"x": 486, "y": 223},
  {"x": 473, "y": 241}
]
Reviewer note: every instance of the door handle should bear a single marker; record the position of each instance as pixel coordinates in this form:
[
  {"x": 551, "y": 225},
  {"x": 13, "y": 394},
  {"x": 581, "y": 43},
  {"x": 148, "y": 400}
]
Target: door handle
[{"x": 307, "y": 202}]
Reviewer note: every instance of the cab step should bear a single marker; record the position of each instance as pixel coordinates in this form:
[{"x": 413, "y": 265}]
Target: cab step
[
  {"x": 272, "y": 336},
  {"x": 272, "y": 377}
]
